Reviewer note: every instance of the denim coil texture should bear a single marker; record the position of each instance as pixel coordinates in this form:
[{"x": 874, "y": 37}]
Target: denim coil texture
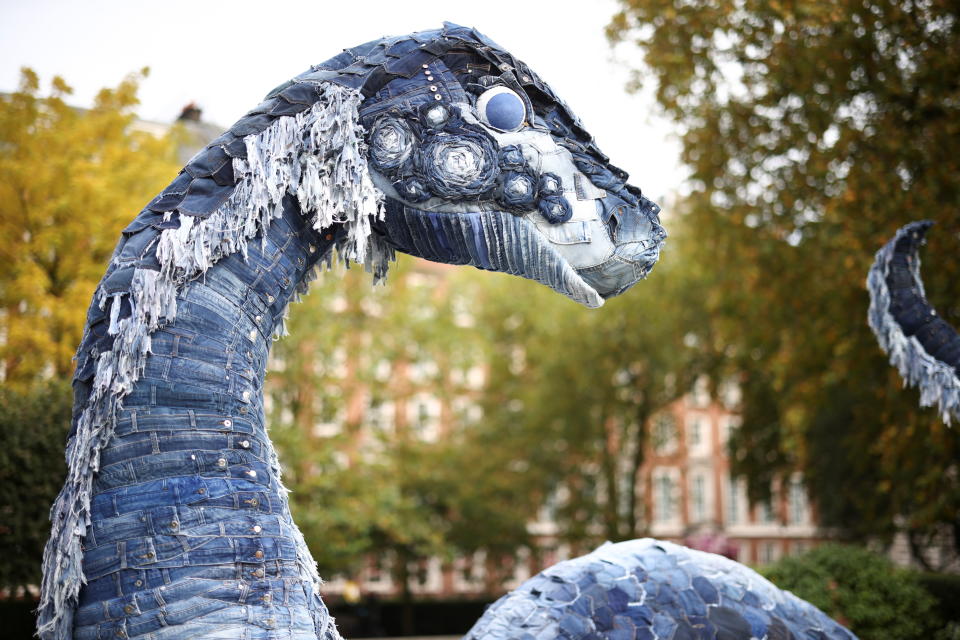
[{"x": 191, "y": 534}]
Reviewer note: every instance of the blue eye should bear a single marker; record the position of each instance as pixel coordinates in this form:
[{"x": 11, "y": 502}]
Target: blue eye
[{"x": 502, "y": 109}]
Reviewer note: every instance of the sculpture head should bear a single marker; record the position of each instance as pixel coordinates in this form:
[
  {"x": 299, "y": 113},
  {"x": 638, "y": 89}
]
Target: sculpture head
[{"x": 480, "y": 163}]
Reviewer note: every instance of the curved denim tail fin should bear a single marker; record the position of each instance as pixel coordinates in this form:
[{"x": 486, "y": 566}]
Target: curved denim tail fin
[{"x": 921, "y": 345}]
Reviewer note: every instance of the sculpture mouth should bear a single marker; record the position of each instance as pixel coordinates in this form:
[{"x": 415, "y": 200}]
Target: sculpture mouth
[
  {"x": 630, "y": 264},
  {"x": 489, "y": 240}
]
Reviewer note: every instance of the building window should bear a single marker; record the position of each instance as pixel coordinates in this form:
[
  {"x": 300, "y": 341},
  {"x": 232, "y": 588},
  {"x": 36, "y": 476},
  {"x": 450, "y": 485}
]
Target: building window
[
  {"x": 663, "y": 505},
  {"x": 664, "y": 434},
  {"x": 696, "y": 433},
  {"x": 797, "y": 498},
  {"x": 380, "y": 415},
  {"x": 423, "y": 414},
  {"x": 768, "y": 552},
  {"x": 765, "y": 512},
  {"x": 698, "y": 492},
  {"x": 698, "y": 438},
  {"x": 734, "y": 503},
  {"x": 701, "y": 392}
]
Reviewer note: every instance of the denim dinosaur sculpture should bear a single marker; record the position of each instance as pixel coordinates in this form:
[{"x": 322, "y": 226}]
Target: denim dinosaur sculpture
[
  {"x": 173, "y": 522},
  {"x": 923, "y": 347}
]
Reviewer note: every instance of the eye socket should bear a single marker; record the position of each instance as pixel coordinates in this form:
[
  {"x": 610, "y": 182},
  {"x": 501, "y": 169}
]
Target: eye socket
[{"x": 502, "y": 109}]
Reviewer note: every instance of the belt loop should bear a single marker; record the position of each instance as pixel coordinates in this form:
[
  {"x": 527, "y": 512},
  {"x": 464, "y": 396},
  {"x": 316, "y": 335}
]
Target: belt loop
[{"x": 133, "y": 420}]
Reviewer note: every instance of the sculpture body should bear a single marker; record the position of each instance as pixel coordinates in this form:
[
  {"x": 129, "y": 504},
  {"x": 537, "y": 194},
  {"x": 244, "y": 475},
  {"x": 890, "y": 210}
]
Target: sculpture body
[
  {"x": 173, "y": 522},
  {"x": 647, "y": 589}
]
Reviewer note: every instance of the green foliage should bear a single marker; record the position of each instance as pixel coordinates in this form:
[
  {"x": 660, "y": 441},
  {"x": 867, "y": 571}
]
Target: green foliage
[
  {"x": 571, "y": 391},
  {"x": 861, "y": 589},
  {"x": 33, "y": 429},
  {"x": 945, "y": 589},
  {"x": 70, "y": 179},
  {"x": 813, "y": 130},
  {"x": 367, "y": 478}
]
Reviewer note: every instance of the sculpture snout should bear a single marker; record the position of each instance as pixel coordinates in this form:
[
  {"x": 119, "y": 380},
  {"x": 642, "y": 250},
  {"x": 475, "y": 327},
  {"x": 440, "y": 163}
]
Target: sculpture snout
[{"x": 637, "y": 236}]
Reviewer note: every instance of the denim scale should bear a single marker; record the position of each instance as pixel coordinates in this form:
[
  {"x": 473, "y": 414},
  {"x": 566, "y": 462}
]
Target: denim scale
[{"x": 191, "y": 537}]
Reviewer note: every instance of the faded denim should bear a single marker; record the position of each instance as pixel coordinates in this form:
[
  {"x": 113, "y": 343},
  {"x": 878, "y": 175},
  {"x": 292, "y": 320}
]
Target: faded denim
[
  {"x": 191, "y": 533},
  {"x": 172, "y": 482}
]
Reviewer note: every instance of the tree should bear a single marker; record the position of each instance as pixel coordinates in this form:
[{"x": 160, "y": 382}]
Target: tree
[
  {"x": 813, "y": 130},
  {"x": 70, "y": 179},
  {"x": 33, "y": 426},
  {"x": 367, "y": 480},
  {"x": 572, "y": 391}
]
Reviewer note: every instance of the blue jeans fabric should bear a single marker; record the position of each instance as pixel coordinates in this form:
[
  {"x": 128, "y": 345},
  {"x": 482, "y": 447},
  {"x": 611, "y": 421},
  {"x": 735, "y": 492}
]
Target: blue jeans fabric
[{"x": 191, "y": 534}]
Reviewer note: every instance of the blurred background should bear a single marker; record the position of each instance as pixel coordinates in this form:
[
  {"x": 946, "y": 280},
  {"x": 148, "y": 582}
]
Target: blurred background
[{"x": 452, "y": 433}]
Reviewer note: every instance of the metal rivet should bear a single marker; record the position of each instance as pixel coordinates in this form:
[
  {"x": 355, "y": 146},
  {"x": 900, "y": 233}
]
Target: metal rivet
[
  {"x": 250, "y": 354},
  {"x": 437, "y": 96},
  {"x": 258, "y": 573},
  {"x": 425, "y": 66},
  {"x": 245, "y": 444},
  {"x": 193, "y": 456},
  {"x": 252, "y": 473},
  {"x": 121, "y": 633},
  {"x": 221, "y": 462},
  {"x": 201, "y": 491},
  {"x": 266, "y": 597},
  {"x": 429, "y": 78},
  {"x": 253, "y": 334},
  {"x": 270, "y": 299},
  {"x": 313, "y": 249},
  {"x": 254, "y": 502},
  {"x": 244, "y": 410},
  {"x": 433, "y": 87},
  {"x": 258, "y": 318},
  {"x": 150, "y": 554},
  {"x": 269, "y": 621},
  {"x": 228, "y": 422},
  {"x": 246, "y": 395},
  {"x": 525, "y": 78},
  {"x": 258, "y": 554},
  {"x": 138, "y": 583},
  {"x": 257, "y": 528},
  {"x": 174, "y": 524},
  {"x": 128, "y": 609}
]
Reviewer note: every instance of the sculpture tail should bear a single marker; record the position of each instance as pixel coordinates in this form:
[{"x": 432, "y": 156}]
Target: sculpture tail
[{"x": 923, "y": 347}]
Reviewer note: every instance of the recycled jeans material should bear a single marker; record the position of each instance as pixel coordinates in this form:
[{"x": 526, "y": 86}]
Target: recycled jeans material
[{"x": 191, "y": 534}]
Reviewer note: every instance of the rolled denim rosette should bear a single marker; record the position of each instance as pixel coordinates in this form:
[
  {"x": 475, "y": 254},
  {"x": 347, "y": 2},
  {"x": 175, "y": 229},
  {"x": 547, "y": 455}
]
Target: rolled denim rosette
[
  {"x": 412, "y": 189},
  {"x": 511, "y": 157},
  {"x": 517, "y": 190},
  {"x": 438, "y": 115},
  {"x": 555, "y": 209},
  {"x": 550, "y": 185},
  {"x": 458, "y": 164},
  {"x": 391, "y": 143}
]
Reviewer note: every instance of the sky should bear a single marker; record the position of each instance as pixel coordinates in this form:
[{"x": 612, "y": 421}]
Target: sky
[{"x": 225, "y": 56}]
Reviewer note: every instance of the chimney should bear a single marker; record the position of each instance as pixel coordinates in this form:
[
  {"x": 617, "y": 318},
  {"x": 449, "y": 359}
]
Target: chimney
[{"x": 190, "y": 113}]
